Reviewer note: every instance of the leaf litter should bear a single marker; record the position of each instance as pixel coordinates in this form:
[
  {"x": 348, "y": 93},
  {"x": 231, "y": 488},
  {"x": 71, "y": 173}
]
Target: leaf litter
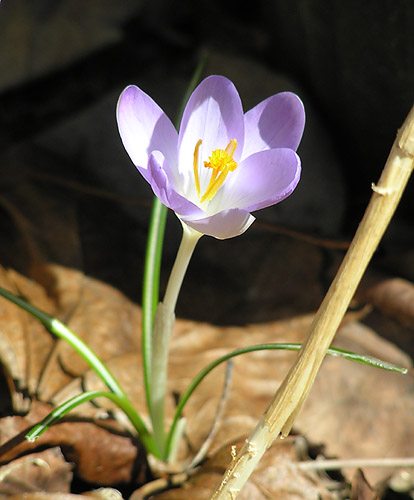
[
  {"x": 346, "y": 414},
  {"x": 45, "y": 471}
]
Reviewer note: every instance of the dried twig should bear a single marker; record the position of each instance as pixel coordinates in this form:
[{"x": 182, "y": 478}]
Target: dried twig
[
  {"x": 359, "y": 463},
  {"x": 203, "y": 450},
  {"x": 289, "y": 399}
]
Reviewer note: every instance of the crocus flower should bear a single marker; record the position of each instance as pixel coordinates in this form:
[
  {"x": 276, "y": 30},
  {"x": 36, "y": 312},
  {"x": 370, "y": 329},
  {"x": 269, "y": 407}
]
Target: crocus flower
[{"x": 222, "y": 164}]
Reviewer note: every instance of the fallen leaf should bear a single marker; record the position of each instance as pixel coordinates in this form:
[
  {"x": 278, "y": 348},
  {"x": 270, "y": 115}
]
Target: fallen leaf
[
  {"x": 24, "y": 342},
  {"x": 105, "y": 320},
  {"x": 346, "y": 413},
  {"x": 357, "y": 411},
  {"x": 102, "y": 451},
  {"x": 52, "y": 496},
  {"x": 361, "y": 490},
  {"x": 39, "y": 341},
  {"x": 394, "y": 298},
  {"x": 276, "y": 476},
  {"x": 99, "y": 315},
  {"x": 43, "y": 471}
]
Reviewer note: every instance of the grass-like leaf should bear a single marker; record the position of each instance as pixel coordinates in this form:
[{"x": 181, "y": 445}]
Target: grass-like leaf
[
  {"x": 123, "y": 403},
  {"x": 150, "y": 289},
  {"x": 333, "y": 351},
  {"x": 63, "y": 332}
]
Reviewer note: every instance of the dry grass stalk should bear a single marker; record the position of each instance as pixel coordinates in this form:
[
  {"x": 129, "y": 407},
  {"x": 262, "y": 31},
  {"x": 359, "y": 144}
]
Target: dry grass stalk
[{"x": 288, "y": 400}]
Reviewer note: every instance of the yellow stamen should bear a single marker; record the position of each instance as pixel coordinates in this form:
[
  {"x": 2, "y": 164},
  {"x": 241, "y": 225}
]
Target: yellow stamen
[
  {"x": 231, "y": 147},
  {"x": 213, "y": 177},
  {"x": 210, "y": 193},
  {"x": 195, "y": 166},
  {"x": 221, "y": 162}
]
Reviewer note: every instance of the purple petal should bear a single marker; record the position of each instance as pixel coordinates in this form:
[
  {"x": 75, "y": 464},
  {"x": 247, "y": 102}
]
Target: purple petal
[
  {"x": 163, "y": 189},
  {"x": 144, "y": 127},
  {"x": 276, "y": 122},
  {"x": 214, "y": 114},
  {"x": 223, "y": 225},
  {"x": 262, "y": 180}
]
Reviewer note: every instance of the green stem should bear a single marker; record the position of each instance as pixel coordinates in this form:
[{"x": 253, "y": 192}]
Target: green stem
[
  {"x": 163, "y": 325},
  {"x": 350, "y": 356},
  {"x": 150, "y": 290},
  {"x": 123, "y": 403}
]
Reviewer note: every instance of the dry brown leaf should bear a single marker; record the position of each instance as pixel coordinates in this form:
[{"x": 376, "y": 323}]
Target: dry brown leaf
[
  {"x": 361, "y": 490},
  {"x": 12, "y": 339},
  {"x": 127, "y": 368},
  {"x": 98, "y": 314},
  {"x": 105, "y": 320},
  {"x": 346, "y": 412},
  {"x": 39, "y": 341},
  {"x": 43, "y": 471},
  {"x": 103, "y": 453},
  {"x": 360, "y": 412},
  {"x": 61, "y": 283},
  {"x": 24, "y": 342},
  {"x": 394, "y": 298},
  {"x": 276, "y": 477},
  {"x": 254, "y": 376},
  {"x": 55, "y": 496},
  {"x": 53, "y": 376}
]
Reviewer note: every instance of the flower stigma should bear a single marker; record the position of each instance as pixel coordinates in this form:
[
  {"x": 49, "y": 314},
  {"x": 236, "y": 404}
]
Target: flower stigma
[{"x": 221, "y": 162}]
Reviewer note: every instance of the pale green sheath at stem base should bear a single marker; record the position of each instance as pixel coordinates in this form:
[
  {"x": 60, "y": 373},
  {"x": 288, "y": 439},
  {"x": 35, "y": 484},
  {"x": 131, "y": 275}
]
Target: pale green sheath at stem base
[{"x": 163, "y": 326}]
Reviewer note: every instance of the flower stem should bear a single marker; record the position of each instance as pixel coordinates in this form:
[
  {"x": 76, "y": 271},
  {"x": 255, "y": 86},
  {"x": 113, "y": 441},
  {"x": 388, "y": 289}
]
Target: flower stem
[
  {"x": 153, "y": 260},
  {"x": 163, "y": 325},
  {"x": 188, "y": 243}
]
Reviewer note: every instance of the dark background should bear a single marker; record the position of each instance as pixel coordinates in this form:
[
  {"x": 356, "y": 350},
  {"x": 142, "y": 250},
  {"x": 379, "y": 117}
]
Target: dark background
[{"x": 69, "y": 194}]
